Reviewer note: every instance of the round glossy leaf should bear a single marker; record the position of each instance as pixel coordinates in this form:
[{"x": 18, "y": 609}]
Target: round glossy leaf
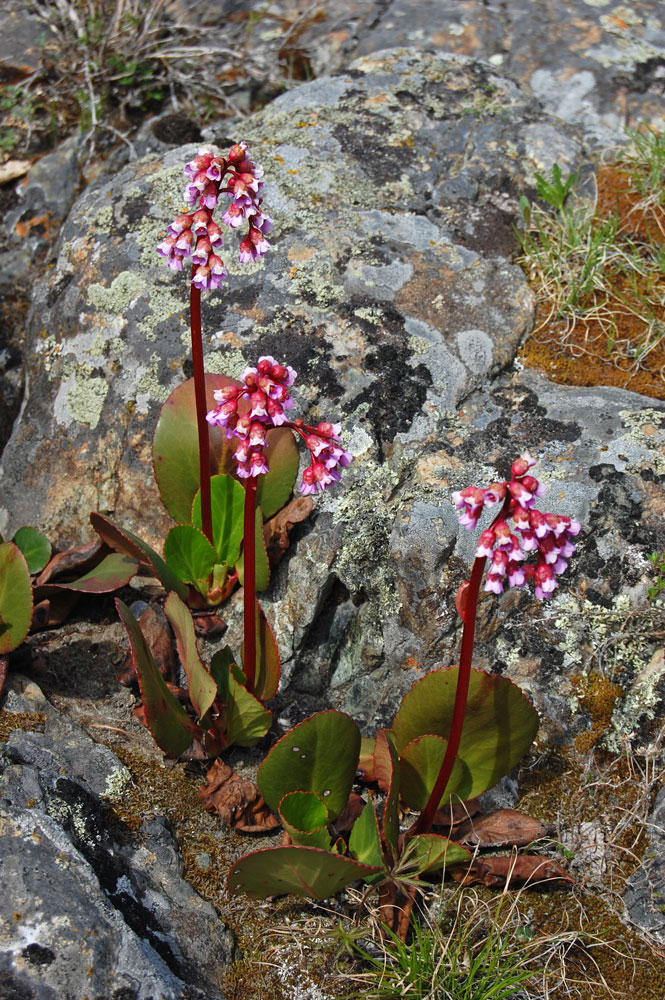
[
  {"x": 500, "y": 723},
  {"x": 431, "y": 852},
  {"x": 420, "y": 764},
  {"x": 305, "y": 818},
  {"x": 298, "y": 871},
  {"x": 35, "y": 547},
  {"x": 15, "y": 597},
  {"x": 189, "y": 554},
  {"x": 175, "y": 450},
  {"x": 227, "y": 499},
  {"x": 274, "y": 489},
  {"x": 365, "y": 839},
  {"x": 319, "y": 755}
]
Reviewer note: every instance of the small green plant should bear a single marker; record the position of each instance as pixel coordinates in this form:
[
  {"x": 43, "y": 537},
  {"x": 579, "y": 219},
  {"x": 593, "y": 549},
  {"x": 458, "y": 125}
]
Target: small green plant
[
  {"x": 37, "y": 591},
  {"x": 456, "y": 733},
  {"x": 224, "y": 457},
  {"x": 467, "y": 962},
  {"x": 590, "y": 269},
  {"x": 657, "y": 588}
]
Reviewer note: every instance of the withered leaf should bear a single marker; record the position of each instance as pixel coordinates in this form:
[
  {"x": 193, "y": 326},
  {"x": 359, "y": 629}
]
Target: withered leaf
[
  {"x": 157, "y": 632},
  {"x": 236, "y": 800},
  {"x": 395, "y": 905},
  {"x": 276, "y": 530},
  {"x": 525, "y": 869},
  {"x": 454, "y": 814},
  {"x": 349, "y": 814},
  {"x": 209, "y": 625},
  {"x": 503, "y": 828},
  {"x": 79, "y": 561},
  {"x": 52, "y": 610}
]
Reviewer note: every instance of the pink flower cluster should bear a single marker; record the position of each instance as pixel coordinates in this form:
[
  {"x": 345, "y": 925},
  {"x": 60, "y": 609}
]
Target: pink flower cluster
[
  {"x": 195, "y": 234},
  {"x": 266, "y": 390},
  {"x": 547, "y": 535}
]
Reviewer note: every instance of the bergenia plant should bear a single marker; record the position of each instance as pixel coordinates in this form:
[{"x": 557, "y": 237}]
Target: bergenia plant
[
  {"x": 457, "y": 732},
  {"x": 37, "y": 591},
  {"x": 220, "y": 470}
]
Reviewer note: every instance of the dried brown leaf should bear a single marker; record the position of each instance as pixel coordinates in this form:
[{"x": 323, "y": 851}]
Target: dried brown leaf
[
  {"x": 503, "y": 828},
  {"x": 524, "y": 869},
  {"x": 276, "y": 530},
  {"x": 454, "y": 814},
  {"x": 79, "y": 560},
  {"x": 236, "y": 800},
  {"x": 157, "y": 632},
  {"x": 53, "y": 610},
  {"x": 349, "y": 814},
  {"x": 209, "y": 625}
]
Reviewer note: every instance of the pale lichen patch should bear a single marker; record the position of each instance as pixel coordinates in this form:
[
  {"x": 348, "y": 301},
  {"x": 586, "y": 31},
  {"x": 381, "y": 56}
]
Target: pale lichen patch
[{"x": 123, "y": 290}]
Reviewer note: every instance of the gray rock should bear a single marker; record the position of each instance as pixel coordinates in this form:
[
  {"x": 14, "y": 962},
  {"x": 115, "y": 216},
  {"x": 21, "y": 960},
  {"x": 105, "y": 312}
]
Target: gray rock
[
  {"x": 347, "y": 294},
  {"x": 83, "y": 912},
  {"x": 645, "y": 891}
]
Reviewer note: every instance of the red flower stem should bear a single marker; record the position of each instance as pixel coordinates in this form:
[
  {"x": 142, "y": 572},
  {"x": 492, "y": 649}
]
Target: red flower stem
[
  {"x": 201, "y": 408},
  {"x": 249, "y": 585},
  {"x": 426, "y": 818}
]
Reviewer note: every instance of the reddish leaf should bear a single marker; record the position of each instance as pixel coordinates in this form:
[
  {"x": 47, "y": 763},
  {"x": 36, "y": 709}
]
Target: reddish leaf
[
  {"x": 276, "y": 530},
  {"x": 77, "y": 561},
  {"x": 461, "y": 599},
  {"x": 525, "y": 869},
  {"x": 236, "y": 800},
  {"x": 158, "y": 635},
  {"x": 4, "y": 665},
  {"x": 503, "y": 828}
]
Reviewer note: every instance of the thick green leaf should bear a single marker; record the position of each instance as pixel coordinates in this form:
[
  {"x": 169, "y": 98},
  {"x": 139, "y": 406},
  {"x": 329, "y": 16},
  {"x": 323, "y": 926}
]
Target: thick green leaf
[
  {"x": 430, "y": 852},
  {"x": 365, "y": 839},
  {"x": 171, "y": 727},
  {"x": 219, "y": 668},
  {"x": 200, "y": 683},
  {"x": 35, "y": 547},
  {"x": 129, "y": 544},
  {"x": 112, "y": 573},
  {"x": 227, "y": 498},
  {"x": 305, "y": 818},
  {"x": 190, "y": 555},
  {"x": 15, "y": 597},
  {"x": 245, "y": 719},
  {"x": 319, "y": 755},
  {"x": 499, "y": 726},
  {"x": 299, "y": 871},
  {"x": 387, "y": 771},
  {"x": 175, "y": 450},
  {"x": 262, "y": 564},
  {"x": 274, "y": 489},
  {"x": 268, "y": 664},
  {"x": 420, "y": 764}
]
